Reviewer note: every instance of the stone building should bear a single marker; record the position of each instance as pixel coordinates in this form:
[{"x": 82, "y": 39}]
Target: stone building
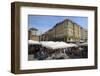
[
  {"x": 84, "y": 34},
  {"x": 66, "y": 30},
  {"x": 32, "y": 34}
]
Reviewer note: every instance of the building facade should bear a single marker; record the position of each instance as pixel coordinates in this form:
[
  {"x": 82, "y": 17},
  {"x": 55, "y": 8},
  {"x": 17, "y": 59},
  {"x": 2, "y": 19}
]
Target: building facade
[
  {"x": 66, "y": 30},
  {"x": 32, "y": 34},
  {"x": 84, "y": 34}
]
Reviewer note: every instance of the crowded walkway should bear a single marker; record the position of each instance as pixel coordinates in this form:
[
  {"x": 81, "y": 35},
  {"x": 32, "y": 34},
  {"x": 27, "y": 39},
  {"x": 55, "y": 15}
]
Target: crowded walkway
[{"x": 56, "y": 50}]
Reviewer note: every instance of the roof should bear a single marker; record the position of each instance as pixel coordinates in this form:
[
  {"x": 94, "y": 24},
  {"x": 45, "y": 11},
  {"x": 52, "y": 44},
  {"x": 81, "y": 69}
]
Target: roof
[
  {"x": 64, "y": 21},
  {"x": 33, "y": 29}
]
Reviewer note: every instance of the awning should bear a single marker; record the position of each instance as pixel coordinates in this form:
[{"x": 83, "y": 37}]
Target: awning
[
  {"x": 57, "y": 45},
  {"x": 84, "y": 44},
  {"x": 33, "y": 42}
]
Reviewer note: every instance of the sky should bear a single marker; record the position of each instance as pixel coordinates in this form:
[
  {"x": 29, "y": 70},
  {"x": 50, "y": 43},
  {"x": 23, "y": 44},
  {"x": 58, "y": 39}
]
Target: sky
[{"x": 44, "y": 23}]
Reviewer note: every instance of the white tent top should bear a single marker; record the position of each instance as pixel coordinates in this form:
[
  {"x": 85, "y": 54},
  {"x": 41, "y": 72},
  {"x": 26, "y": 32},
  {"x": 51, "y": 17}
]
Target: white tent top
[
  {"x": 73, "y": 45},
  {"x": 33, "y": 42},
  {"x": 52, "y": 44},
  {"x": 57, "y": 45},
  {"x": 84, "y": 44},
  {"x": 49, "y": 44}
]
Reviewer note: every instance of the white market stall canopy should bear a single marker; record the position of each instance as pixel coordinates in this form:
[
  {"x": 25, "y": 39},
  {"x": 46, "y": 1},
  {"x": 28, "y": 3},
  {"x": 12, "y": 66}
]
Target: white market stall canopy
[
  {"x": 33, "y": 42},
  {"x": 73, "y": 45},
  {"x": 52, "y": 44},
  {"x": 49, "y": 44},
  {"x": 84, "y": 44},
  {"x": 64, "y": 45}
]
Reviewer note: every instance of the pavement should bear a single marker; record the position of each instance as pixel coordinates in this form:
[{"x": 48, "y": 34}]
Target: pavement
[{"x": 54, "y": 56}]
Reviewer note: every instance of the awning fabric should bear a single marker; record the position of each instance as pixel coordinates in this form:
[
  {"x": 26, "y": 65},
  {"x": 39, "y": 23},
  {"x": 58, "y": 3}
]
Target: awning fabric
[{"x": 52, "y": 44}]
